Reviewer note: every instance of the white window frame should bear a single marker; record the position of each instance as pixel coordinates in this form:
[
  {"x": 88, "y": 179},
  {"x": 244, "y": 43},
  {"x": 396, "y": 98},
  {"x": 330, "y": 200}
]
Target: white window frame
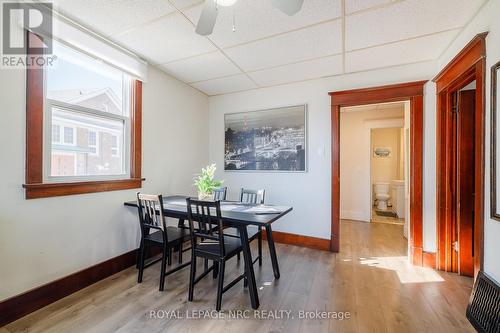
[
  {"x": 49, "y": 105},
  {"x": 97, "y": 142}
]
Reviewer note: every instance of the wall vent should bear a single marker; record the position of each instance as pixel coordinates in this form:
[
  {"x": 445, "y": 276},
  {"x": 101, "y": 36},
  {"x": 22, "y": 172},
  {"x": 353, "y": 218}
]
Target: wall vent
[{"x": 483, "y": 310}]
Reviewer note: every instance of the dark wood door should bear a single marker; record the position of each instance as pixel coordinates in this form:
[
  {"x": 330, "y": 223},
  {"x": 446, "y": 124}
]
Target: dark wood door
[{"x": 465, "y": 181}]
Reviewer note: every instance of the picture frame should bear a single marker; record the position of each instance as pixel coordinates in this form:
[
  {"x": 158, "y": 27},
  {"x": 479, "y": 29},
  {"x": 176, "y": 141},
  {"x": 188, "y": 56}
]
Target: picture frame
[
  {"x": 494, "y": 144},
  {"x": 267, "y": 140}
]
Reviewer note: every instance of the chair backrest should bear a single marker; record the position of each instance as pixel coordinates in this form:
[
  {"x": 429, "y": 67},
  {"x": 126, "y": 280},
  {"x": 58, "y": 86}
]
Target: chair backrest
[
  {"x": 220, "y": 193},
  {"x": 208, "y": 216},
  {"x": 150, "y": 208},
  {"x": 252, "y": 196}
]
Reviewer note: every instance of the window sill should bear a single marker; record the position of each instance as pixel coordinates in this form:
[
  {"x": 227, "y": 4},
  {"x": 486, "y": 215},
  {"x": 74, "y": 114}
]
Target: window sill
[{"x": 45, "y": 190}]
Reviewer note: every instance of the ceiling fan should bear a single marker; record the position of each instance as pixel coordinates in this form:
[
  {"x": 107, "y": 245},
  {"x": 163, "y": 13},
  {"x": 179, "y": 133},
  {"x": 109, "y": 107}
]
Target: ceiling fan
[{"x": 208, "y": 16}]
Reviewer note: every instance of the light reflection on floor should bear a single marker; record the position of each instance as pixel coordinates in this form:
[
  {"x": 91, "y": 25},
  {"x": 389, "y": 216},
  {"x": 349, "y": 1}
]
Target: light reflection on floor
[{"x": 407, "y": 273}]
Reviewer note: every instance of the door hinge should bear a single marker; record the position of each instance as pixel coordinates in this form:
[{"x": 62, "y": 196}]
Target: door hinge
[{"x": 456, "y": 246}]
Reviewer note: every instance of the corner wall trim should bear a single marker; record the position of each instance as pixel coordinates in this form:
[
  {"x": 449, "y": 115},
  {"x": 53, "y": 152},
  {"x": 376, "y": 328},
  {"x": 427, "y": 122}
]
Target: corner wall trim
[
  {"x": 18, "y": 306},
  {"x": 300, "y": 240}
]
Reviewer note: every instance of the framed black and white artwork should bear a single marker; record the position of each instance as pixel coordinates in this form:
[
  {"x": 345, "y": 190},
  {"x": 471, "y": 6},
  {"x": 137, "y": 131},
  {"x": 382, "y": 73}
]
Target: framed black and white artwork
[{"x": 266, "y": 140}]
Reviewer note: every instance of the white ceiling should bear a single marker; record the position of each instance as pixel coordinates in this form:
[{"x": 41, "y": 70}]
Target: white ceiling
[{"x": 326, "y": 38}]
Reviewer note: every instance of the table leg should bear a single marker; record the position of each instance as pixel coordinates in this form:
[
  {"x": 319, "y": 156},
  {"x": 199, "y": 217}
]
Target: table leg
[
  {"x": 272, "y": 251},
  {"x": 247, "y": 256}
]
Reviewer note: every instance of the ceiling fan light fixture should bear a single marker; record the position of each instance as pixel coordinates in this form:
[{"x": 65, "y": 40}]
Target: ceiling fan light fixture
[{"x": 225, "y": 3}]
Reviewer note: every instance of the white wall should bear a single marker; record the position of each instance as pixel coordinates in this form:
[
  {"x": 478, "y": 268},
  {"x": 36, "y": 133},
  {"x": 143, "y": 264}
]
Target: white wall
[
  {"x": 308, "y": 193},
  {"x": 42, "y": 240},
  {"x": 486, "y": 20},
  {"x": 355, "y": 152}
]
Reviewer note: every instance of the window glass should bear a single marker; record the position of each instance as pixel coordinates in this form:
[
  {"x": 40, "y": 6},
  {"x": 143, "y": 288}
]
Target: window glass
[
  {"x": 82, "y": 158},
  {"x": 78, "y": 79}
]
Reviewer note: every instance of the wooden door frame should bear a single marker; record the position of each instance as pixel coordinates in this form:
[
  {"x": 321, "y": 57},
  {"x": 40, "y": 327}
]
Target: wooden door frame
[
  {"x": 468, "y": 65},
  {"x": 412, "y": 92}
]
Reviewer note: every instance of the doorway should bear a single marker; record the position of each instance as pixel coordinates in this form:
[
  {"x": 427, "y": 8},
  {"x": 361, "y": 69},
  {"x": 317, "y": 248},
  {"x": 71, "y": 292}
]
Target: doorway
[
  {"x": 460, "y": 160},
  {"x": 372, "y": 163},
  {"x": 412, "y": 92},
  {"x": 387, "y": 175}
]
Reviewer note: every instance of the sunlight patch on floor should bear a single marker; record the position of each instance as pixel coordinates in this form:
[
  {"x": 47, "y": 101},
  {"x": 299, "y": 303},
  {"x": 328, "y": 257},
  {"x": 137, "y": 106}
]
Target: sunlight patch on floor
[{"x": 407, "y": 273}]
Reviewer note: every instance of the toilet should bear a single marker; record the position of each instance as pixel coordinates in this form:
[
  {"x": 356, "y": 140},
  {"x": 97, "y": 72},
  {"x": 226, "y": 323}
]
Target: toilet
[{"x": 381, "y": 191}]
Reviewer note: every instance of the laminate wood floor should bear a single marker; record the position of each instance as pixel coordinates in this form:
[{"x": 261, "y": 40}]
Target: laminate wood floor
[{"x": 370, "y": 279}]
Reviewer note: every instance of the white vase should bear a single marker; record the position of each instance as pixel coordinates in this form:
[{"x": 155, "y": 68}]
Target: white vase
[{"x": 204, "y": 196}]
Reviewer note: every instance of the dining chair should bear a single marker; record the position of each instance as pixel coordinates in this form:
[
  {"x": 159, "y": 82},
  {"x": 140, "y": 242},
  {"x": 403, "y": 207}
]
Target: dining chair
[
  {"x": 255, "y": 197},
  {"x": 209, "y": 244},
  {"x": 220, "y": 194},
  {"x": 252, "y": 196},
  {"x": 151, "y": 218}
]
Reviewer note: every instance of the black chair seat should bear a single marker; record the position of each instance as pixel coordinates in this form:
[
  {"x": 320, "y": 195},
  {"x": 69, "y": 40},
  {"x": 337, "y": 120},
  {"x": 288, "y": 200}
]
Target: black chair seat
[
  {"x": 173, "y": 235},
  {"x": 252, "y": 230},
  {"x": 212, "y": 247}
]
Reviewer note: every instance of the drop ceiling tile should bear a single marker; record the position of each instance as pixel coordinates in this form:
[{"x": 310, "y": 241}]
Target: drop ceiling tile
[
  {"x": 313, "y": 42},
  {"x": 200, "y": 68},
  {"x": 407, "y": 19},
  {"x": 405, "y": 52},
  {"x": 300, "y": 71},
  {"x": 357, "y": 5},
  {"x": 180, "y": 4},
  {"x": 111, "y": 17},
  {"x": 165, "y": 40},
  {"x": 225, "y": 85},
  {"x": 257, "y": 19}
]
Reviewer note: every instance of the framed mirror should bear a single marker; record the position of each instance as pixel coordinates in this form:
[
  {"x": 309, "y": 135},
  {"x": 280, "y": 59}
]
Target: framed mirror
[{"x": 495, "y": 145}]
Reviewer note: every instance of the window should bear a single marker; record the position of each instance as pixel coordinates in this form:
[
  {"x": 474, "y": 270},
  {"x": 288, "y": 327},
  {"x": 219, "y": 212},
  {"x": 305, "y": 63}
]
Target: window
[
  {"x": 115, "y": 150},
  {"x": 89, "y": 116},
  {"x": 69, "y": 136},
  {"x": 56, "y": 133},
  {"x": 85, "y": 97},
  {"x": 93, "y": 142}
]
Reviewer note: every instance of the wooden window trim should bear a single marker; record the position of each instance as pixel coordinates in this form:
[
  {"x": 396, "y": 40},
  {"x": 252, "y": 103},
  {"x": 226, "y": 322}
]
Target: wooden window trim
[{"x": 34, "y": 185}]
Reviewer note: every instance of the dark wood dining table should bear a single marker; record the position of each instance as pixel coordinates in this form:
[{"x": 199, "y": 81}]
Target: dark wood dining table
[{"x": 236, "y": 215}]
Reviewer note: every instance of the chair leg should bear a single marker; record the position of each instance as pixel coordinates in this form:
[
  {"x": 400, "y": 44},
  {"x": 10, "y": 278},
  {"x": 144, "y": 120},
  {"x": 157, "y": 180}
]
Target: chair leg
[
  {"x": 165, "y": 253},
  {"x": 220, "y": 285},
  {"x": 139, "y": 251},
  {"x": 205, "y": 265},
  {"x": 216, "y": 269},
  {"x": 169, "y": 252},
  {"x": 260, "y": 247},
  {"x": 142, "y": 253},
  {"x": 180, "y": 253},
  {"x": 245, "y": 280},
  {"x": 191, "y": 278},
  {"x": 238, "y": 256}
]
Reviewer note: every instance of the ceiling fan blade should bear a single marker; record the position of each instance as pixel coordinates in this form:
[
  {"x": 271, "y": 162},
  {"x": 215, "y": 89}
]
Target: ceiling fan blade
[
  {"x": 289, "y": 7},
  {"x": 207, "y": 18}
]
